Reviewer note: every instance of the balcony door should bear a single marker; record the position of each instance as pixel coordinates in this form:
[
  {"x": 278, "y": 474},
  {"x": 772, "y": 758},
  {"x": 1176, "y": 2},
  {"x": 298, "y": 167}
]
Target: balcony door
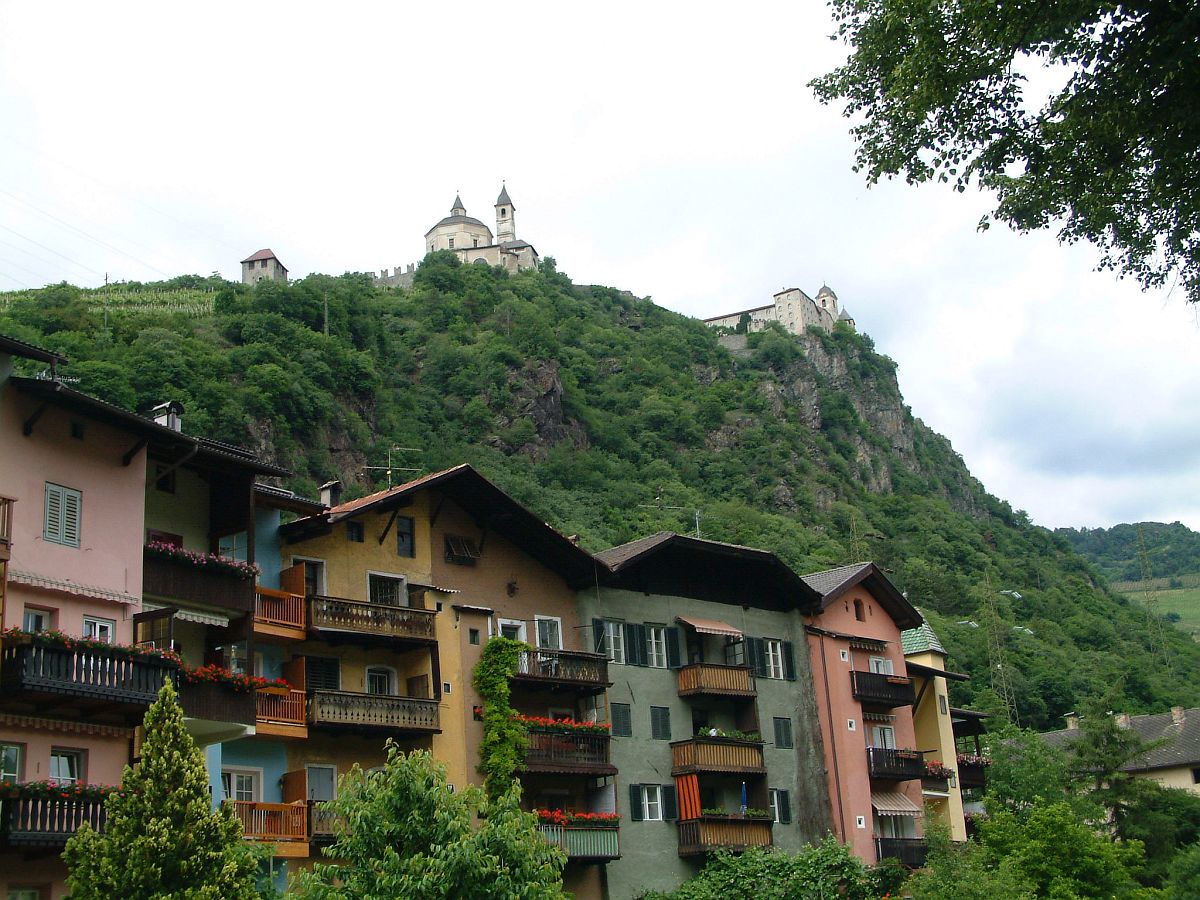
[
  {"x": 549, "y": 633},
  {"x": 388, "y": 590},
  {"x": 883, "y": 736},
  {"x": 322, "y": 782},
  {"x": 881, "y": 665},
  {"x": 241, "y": 785}
]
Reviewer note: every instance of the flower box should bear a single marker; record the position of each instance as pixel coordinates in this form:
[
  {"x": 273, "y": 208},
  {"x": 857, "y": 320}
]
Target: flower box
[
  {"x": 234, "y": 681},
  {"x": 210, "y": 562},
  {"x": 563, "y": 726},
  {"x": 567, "y": 818}
]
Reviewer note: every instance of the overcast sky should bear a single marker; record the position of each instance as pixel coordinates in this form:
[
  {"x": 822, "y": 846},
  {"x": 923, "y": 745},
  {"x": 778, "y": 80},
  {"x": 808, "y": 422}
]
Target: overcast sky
[{"x": 672, "y": 150}]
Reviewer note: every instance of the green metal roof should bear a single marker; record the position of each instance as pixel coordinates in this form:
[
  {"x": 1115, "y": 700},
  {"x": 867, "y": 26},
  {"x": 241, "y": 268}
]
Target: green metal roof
[{"x": 921, "y": 639}]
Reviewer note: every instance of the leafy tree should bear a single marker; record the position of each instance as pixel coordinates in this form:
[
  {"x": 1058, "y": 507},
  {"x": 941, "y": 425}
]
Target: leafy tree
[
  {"x": 406, "y": 835},
  {"x": 945, "y": 94},
  {"x": 1025, "y": 773},
  {"x": 963, "y": 871},
  {"x": 1184, "y": 882},
  {"x": 825, "y": 870},
  {"x": 163, "y": 839}
]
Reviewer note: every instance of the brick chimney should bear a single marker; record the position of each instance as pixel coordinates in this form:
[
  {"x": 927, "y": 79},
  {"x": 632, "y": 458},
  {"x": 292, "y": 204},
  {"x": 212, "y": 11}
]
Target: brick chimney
[
  {"x": 1072, "y": 722},
  {"x": 169, "y": 414},
  {"x": 1177, "y": 715},
  {"x": 331, "y": 493},
  {"x": 1123, "y": 720}
]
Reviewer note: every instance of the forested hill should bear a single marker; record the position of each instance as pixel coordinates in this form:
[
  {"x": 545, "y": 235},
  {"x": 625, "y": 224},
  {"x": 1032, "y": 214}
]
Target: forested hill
[
  {"x": 1171, "y": 550},
  {"x": 612, "y": 418}
]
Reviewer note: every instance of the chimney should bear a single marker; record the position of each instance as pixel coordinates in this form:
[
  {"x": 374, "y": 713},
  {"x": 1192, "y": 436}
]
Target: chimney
[
  {"x": 1177, "y": 715},
  {"x": 331, "y": 493},
  {"x": 1123, "y": 720},
  {"x": 169, "y": 414},
  {"x": 1072, "y": 722}
]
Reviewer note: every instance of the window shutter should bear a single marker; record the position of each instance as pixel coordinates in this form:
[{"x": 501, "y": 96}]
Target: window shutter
[
  {"x": 622, "y": 720},
  {"x": 635, "y": 803},
  {"x": 635, "y": 644},
  {"x": 660, "y": 723},
  {"x": 642, "y": 635},
  {"x": 756, "y": 656},
  {"x": 789, "y": 661},
  {"x": 672, "y": 637},
  {"x": 598, "y": 636},
  {"x": 783, "y": 733},
  {"x": 784, "y": 807},
  {"x": 53, "y": 526},
  {"x": 670, "y": 808}
]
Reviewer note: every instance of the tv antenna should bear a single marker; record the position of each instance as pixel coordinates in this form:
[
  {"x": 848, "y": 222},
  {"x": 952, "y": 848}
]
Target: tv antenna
[
  {"x": 389, "y": 468},
  {"x": 658, "y": 504}
]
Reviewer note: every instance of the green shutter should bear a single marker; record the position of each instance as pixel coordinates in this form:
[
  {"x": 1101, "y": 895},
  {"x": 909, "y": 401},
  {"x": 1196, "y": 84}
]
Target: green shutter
[
  {"x": 64, "y": 511},
  {"x": 598, "y": 636},
  {"x": 784, "y": 806},
  {"x": 672, "y": 639},
  {"x": 670, "y": 808},
  {"x": 635, "y": 803},
  {"x": 53, "y": 524},
  {"x": 622, "y": 720},
  {"x": 789, "y": 661}
]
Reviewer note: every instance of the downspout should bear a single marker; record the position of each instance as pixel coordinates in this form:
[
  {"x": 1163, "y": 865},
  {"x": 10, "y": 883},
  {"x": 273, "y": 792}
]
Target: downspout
[{"x": 837, "y": 772}]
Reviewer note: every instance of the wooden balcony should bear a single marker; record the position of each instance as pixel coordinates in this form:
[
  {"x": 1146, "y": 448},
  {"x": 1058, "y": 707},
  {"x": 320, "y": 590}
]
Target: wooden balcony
[
  {"x": 322, "y": 823},
  {"x": 877, "y": 690},
  {"x": 172, "y": 580},
  {"x": 279, "y": 614},
  {"x": 336, "y": 618},
  {"x": 94, "y": 681},
  {"x": 216, "y": 703},
  {"x": 722, "y": 833},
  {"x": 716, "y": 754},
  {"x": 971, "y": 775},
  {"x": 283, "y": 824},
  {"x": 910, "y": 851},
  {"x": 584, "y": 843},
  {"x": 567, "y": 753},
  {"x": 281, "y": 715},
  {"x": 710, "y": 679},
  {"x": 569, "y": 670},
  {"x": 894, "y": 765},
  {"x": 45, "y": 822},
  {"x": 6, "y": 520},
  {"x": 372, "y": 712}
]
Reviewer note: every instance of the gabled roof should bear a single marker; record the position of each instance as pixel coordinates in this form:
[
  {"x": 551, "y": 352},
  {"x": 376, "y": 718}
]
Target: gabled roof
[
  {"x": 271, "y": 497},
  {"x": 679, "y": 565},
  {"x": 262, "y": 254},
  {"x": 485, "y": 502},
  {"x": 29, "y": 351},
  {"x": 739, "y": 312},
  {"x": 503, "y": 198},
  {"x": 921, "y": 639},
  {"x": 1181, "y": 739},
  {"x": 197, "y": 450},
  {"x": 831, "y": 584}
]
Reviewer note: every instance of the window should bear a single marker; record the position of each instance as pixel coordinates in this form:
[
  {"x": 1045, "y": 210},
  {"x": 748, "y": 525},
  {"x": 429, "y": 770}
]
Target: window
[
  {"x": 660, "y": 723},
  {"x": 34, "y": 620},
  {"x": 609, "y": 638},
  {"x": 234, "y": 546},
  {"x": 322, "y": 673},
  {"x": 164, "y": 478},
  {"x": 388, "y": 590},
  {"x": 95, "y": 629},
  {"x": 942, "y": 705},
  {"x": 883, "y": 736},
  {"x": 549, "y": 632},
  {"x": 774, "y": 658},
  {"x": 77, "y": 430},
  {"x": 858, "y": 611},
  {"x": 783, "y": 733},
  {"x": 656, "y": 646},
  {"x": 652, "y": 803},
  {"x": 881, "y": 665},
  {"x": 24, "y": 893},
  {"x": 451, "y": 243},
  {"x": 622, "y": 720},
  {"x": 473, "y": 635},
  {"x": 851, "y": 725},
  {"x": 64, "y": 508},
  {"x": 66, "y": 766},
  {"x": 735, "y": 652},
  {"x": 405, "y": 546},
  {"x": 380, "y": 680},
  {"x": 513, "y": 629},
  {"x": 154, "y": 536},
  {"x": 355, "y": 532},
  {"x": 239, "y": 785},
  {"x": 314, "y": 575},
  {"x": 474, "y": 242},
  {"x": 781, "y": 807},
  {"x": 460, "y": 551},
  {"x": 10, "y": 762}
]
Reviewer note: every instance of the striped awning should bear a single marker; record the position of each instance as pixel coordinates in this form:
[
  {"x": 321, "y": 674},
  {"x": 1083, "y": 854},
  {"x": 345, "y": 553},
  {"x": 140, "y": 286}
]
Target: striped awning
[
  {"x": 709, "y": 626},
  {"x": 190, "y": 615},
  {"x": 893, "y": 803},
  {"x": 68, "y": 587}
]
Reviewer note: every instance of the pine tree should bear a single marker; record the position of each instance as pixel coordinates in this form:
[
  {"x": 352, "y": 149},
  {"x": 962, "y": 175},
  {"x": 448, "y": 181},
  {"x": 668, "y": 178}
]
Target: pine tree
[{"x": 162, "y": 839}]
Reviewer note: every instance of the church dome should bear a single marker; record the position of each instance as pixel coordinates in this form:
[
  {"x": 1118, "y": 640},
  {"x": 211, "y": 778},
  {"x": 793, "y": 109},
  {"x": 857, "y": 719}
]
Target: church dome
[{"x": 826, "y": 291}]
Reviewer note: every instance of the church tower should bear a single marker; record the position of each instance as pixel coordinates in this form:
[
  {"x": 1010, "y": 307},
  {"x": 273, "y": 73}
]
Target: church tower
[{"x": 506, "y": 226}]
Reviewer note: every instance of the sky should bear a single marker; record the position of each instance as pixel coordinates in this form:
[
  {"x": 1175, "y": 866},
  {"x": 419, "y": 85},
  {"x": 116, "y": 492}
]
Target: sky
[{"x": 672, "y": 150}]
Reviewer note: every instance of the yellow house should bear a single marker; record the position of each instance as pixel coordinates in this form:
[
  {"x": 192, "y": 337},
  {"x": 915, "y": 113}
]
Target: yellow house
[{"x": 925, "y": 658}]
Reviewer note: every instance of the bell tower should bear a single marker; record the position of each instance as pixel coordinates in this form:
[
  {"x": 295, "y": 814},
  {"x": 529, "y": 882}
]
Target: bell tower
[{"x": 506, "y": 226}]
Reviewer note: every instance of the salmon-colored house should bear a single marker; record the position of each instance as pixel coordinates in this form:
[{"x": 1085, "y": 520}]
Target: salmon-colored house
[{"x": 865, "y": 700}]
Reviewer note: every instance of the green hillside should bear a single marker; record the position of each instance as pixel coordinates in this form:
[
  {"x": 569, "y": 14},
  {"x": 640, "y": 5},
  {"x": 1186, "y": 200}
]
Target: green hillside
[
  {"x": 604, "y": 412},
  {"x": 1172, "y": 550}
]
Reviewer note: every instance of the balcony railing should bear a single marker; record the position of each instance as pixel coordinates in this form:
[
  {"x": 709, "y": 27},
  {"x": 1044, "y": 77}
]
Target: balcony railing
[
  {"x": 322, "y": 823},
  {"x": 714, "y": 680},
  {"x": 583, "y": 842},
  {"x": 217, "y": 703},
  {"x": 564, "y": 668},
  {"x": 894, "y": 765},
  {"x": 910, "y": 851},
  {"x": 44, "y": 821},
  {"x": 177, "y": 580},
  {"x": 972, "y": 775},
  {"x": 6, "y": 519},
  {"x": 97, "y": 674},
  {"x": 282, "y": 709},
  {"x": 715, "y": 754},
  {"x": 378, "y": 619},
  {"x": 877, "y": 689},
  {"x": 557, "y": 752},
  {"x": 278, "y": 609},
  {"x": 372, "y": 711},
  {"x": 272, "y": 821},
  {"x": 722, "y": 833}
]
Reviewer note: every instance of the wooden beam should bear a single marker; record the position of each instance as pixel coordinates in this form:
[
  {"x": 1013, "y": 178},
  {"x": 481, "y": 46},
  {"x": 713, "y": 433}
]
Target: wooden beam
[
  {"x": 27, "y": 428},
  {"x": 438, "y": 511},
  {"x": 133, "y": 451},
  {"x": 388, "y": 527}
]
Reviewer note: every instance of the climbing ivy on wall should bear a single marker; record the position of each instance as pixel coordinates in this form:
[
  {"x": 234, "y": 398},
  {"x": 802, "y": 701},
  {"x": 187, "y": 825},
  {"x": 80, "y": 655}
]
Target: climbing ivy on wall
[{"x": 504, "y": 736}]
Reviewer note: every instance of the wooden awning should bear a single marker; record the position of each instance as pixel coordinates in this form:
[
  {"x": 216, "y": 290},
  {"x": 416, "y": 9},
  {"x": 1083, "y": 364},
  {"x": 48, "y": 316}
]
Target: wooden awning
[
  {"x": 893, "y": 803},
  {"x": 709, "y": 626}
]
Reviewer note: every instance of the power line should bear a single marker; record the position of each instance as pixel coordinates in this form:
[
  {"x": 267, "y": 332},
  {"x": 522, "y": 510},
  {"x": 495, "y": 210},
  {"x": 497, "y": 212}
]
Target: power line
[
  {"x": 17, "y": 280},
  {"x": 44, "y": 262},
  {"x": 19, "y": 266},
  {"x": 52, "y": 250}
]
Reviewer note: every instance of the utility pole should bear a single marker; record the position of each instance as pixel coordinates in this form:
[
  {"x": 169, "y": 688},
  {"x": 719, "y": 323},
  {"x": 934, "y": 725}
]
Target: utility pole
[
  {"x": 1158, "y": 640},
  {"x": 327, "y": 319},
  {"x": 996, "y": 662}
]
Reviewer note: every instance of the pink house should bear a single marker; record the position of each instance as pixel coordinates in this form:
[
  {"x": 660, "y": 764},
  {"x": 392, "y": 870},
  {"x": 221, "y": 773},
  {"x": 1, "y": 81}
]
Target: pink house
[{"x": 865, "y": 700}]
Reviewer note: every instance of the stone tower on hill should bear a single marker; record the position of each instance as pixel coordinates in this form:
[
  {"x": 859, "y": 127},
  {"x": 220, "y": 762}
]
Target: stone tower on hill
[
  {"x": 263, "y": 264},
  {"x": 472, "y": 241},
  {"x": 793, "y": 309}
]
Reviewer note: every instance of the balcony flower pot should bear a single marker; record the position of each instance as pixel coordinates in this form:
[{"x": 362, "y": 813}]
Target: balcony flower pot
[{"x": 209, "y": 562}]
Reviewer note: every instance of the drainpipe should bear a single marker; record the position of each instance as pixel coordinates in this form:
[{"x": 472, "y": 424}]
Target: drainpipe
[{"x": 837, "y": 772}]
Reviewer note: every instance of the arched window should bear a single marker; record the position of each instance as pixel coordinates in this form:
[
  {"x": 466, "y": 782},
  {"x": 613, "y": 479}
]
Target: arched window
[
  {"x": 504, "y": 212},
  {"x": 858, "y": 611}
]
